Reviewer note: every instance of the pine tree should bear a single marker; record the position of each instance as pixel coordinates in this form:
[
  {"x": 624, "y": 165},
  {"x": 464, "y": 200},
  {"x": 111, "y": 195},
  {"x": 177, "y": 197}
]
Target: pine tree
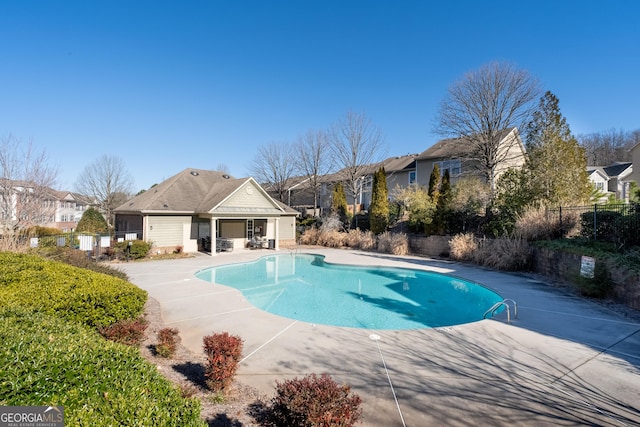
[
  {"x": 92, "y": 221},
  {"x": 434, "y": 183},
  {"x": 556, "y": 162},
  {"x": 379, "y": 209},
  {"x": 443, "y": 205}
]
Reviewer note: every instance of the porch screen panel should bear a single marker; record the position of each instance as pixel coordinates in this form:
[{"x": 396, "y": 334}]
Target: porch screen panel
[{"x": 233, "y": 229}]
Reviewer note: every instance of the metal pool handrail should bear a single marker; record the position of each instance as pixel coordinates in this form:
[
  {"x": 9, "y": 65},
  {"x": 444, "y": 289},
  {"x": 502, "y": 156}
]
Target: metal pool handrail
[{"x": 499, "y": 304}]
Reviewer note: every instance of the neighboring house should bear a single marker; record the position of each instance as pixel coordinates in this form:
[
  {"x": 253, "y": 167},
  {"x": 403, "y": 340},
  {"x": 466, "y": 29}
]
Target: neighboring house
[
  {"x": 400, "y": 172},
  {"x": 600, "y": 180},
  {"x": 635, "y": 164},
  {"x": 453, "y": 154},
  {"x": 618, "y": 179},
  {"x": 619, "y": 175},
  {"x": 26, "y": 204},
  {"x": 69, "y": 208},
  {"x": 198, "y": 206}
]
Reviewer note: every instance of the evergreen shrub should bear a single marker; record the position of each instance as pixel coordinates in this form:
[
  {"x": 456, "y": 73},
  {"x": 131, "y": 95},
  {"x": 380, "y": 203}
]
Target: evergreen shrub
[
  {"x": 137, "y": 250},
  {"x": 45, "y": 360},
  {"x": 605, "y": 225},
  {"x": 75, "y": 294}
]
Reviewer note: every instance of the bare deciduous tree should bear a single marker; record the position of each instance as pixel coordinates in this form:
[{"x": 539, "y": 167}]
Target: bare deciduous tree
[
  {"x": 273, "y": 167},
  {"x": 607, "y": 147},
  {"x": 26, "y": 181},
  {"x": 313, "y": 160},
  {"x": 356, "y": 144},
  {"x": 108, "y": 182},
  {"x": 222, "y": 167},
  {"x": 481, "y": 106}
]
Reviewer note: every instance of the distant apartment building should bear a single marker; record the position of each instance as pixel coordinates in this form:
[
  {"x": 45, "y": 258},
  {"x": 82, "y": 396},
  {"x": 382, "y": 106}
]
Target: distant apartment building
[{"x": 25, "y": 204}]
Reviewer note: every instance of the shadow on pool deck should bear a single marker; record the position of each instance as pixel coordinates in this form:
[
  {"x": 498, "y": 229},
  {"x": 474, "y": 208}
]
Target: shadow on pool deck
[{"x": 564, "y": 361}]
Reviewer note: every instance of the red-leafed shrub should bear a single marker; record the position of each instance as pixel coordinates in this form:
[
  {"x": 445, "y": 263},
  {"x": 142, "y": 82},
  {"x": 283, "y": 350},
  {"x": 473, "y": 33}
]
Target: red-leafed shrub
[
  {"x": 129, "y": 332},
  {"x": 223, "y": 352},
  {"x": 313, "y": 401},
  {"x": 167, "y": 342}
]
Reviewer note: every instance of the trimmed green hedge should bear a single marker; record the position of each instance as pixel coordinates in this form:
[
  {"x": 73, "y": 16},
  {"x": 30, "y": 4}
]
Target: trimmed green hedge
[
  {"x": 72, "y": 293},
  {"x": 47, "y": 361}
]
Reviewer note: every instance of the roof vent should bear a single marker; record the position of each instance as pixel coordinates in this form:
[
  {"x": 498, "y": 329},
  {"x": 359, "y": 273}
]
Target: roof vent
[
  {"x": 225, "y": 176},
  {"x": 194, "y": 173}
]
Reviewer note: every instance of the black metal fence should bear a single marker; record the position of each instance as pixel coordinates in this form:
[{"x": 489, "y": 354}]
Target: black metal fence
[{"x": 617, "y": 223}]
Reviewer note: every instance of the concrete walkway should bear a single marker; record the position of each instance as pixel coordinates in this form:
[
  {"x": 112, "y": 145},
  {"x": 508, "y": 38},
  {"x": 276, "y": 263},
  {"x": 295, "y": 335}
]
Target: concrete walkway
[{"x": 565, "y": 361}]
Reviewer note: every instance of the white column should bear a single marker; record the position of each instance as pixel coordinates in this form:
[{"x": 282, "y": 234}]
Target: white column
[
  {"x": 277, "y": 236},
  {"x": 213, "y": 236}
]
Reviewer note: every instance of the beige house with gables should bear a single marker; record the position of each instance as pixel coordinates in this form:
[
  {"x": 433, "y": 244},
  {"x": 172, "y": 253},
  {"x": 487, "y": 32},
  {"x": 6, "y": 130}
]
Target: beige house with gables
[{"x": 203, "y": 210}]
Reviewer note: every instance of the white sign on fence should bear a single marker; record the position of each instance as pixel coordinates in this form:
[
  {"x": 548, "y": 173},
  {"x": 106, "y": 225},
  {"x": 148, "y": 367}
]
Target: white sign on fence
[
  {"x": 588, "y": 267},
  {"x": 86, "y": 242},
  {"x": 105, "y": 241}
]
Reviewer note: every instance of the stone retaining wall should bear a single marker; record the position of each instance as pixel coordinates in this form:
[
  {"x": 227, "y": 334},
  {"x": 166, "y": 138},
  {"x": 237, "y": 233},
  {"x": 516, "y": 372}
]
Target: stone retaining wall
[
  {"x": 556, "y": 265},
  {"x": 432, "y": 246},
  {"x": 565, "y": 267}
]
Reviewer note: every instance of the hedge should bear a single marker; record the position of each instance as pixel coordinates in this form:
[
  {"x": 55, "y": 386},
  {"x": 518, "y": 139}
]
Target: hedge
[
  {"x": 72, "y": 293},
  {"x": 45, "y": 361}
]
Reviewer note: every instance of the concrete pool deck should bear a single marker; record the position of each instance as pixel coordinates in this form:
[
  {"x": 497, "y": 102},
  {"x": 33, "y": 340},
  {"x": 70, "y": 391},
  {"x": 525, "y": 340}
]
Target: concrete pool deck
[{"x": 565, "y": 361}]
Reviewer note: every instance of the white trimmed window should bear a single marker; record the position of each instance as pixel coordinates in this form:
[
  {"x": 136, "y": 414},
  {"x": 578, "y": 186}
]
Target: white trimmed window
[{"x": 453, "y": 166}]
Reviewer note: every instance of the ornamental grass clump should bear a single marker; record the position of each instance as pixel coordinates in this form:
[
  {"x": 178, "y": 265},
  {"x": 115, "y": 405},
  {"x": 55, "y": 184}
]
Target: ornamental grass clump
[
  {"x": 358, "y": 239},
  {"x": 313, "y": 401},
  {"x": 310, "y": 236},
  {"x": 536, "y": 223},
  {"x": 331, "y": 239},
  {"x": 393, "y": 243},
  {"x": 223, "y": 352},
  {"x": 463, "y": 247},
  {"x": 505, "y": 253}
]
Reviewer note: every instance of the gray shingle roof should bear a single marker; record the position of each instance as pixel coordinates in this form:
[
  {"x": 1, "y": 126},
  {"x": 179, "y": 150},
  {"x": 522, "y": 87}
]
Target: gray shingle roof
[
  {"x": 190, "y": 191},
  {"x": 616, "y": 169},
  {"x": 452, "y": 147}
]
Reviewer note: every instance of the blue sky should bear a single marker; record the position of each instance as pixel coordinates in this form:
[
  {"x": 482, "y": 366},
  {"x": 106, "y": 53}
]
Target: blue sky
[{"x": 167, "y": 85}]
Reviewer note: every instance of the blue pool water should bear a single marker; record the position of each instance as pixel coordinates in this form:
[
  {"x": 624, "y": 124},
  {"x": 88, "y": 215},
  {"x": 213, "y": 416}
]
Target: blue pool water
[{"x": 305, "y": 287}]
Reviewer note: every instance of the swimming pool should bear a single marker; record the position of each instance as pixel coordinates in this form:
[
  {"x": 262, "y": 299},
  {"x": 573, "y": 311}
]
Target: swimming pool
[{"x": 305, "y": 287}]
